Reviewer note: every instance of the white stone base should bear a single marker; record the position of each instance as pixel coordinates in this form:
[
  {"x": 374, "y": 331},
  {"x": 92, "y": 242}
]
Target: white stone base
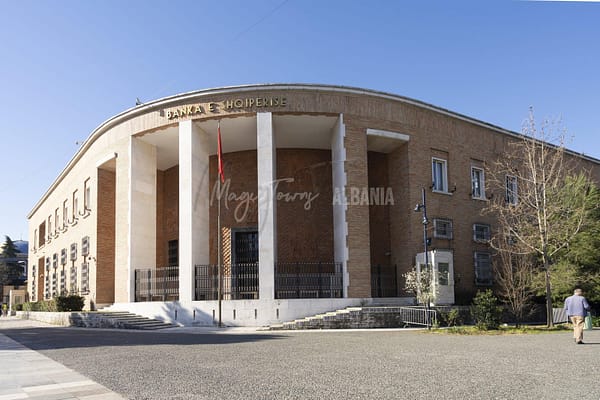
[{"x": 238, "y": 312}]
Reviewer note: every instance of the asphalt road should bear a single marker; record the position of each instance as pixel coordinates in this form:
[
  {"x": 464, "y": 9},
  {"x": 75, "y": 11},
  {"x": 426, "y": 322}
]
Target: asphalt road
[{"x": 325, "y": 365}]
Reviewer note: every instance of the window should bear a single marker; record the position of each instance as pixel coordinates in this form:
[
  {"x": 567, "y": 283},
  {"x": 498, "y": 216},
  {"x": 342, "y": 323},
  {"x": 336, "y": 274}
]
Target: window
[
  {"x": 85, "y": 246},
  {"x": 439, "y": 175},
  {"x": 33, "y": 283},
  {"x": 483, "y": 269},
  {"x": 443, "y": 273},
  {"x": 56, "y": 220},
  {"x": 54, "y": 260},
  {"x": 442, "y": 228},
  {"x": 35, "y": 239},
  {"x": 73, "y": 282},
  {"x": 42, "y": 234},
  {"x": 481, "y": 232},
  {"x": 84, "y": 279},
  {"x": 50, "y": 233},
  {"x": 173, "y": 253},
  {"x": 73, "y": 251},
  {"x": 477, "y": 183},
  {"x": 63, "y": 257},
  {"x": 63, "y": 282},
  {"x": 511, "y": 190},
  {"x": 87, "y": 196},
  {"x": 65, "y": 213},
  {"x": 75, "y": 208}
]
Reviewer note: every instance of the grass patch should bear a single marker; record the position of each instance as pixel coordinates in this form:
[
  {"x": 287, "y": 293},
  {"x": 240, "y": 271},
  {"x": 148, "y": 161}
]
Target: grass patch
[{"x": 502, "y": 330}]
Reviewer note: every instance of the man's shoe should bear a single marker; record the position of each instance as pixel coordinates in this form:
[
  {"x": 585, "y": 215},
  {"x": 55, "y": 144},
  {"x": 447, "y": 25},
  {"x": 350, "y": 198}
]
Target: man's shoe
[{"x": 579, "y": 342}]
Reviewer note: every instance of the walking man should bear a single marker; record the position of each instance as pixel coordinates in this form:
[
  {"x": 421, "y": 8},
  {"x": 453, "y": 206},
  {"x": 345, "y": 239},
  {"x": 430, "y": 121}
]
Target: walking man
[{"x": 577, "y": 307}]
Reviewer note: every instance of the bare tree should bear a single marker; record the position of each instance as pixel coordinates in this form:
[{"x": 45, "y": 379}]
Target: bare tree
[
  {"x": 546, "y": 201},
  {"x": 514, "y": 275}
]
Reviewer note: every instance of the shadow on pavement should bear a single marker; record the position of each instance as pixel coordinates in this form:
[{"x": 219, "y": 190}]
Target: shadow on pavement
[{"x": 62, "y": 338}]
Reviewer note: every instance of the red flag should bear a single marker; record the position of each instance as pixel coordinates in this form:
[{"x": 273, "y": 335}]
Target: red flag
[{"x": 220, "y": 153}]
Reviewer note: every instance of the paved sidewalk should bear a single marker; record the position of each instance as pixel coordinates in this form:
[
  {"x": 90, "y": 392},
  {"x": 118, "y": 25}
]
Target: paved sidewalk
[{"x": 27, "y": 374}]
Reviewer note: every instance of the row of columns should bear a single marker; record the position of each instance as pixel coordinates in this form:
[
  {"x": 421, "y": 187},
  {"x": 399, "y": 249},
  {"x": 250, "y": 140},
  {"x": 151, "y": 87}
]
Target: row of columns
[{"x": 194, "y": 202}]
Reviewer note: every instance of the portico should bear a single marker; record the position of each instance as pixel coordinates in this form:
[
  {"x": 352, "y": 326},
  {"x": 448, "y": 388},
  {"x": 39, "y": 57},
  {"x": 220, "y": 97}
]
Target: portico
[{"x": 258, "y": 187}]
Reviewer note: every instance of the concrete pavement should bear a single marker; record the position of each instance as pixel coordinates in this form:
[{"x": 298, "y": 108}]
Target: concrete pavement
[
  {"x": 27, "y": 374},
  {"x": 240, "y": 363}
]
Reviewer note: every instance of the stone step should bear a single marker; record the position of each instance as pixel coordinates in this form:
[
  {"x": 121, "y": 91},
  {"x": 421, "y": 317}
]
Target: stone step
[
  {"x": 351, "y": 317},
  {"x": 119, "y": 320}
]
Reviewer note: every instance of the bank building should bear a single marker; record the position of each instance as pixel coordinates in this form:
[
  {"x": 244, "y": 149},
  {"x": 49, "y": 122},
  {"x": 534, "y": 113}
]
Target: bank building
[{"x": 308, "y": 207}]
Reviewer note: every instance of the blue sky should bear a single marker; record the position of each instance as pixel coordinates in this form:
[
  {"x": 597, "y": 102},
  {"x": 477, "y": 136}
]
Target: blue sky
[{"x": 67, "y": 66}]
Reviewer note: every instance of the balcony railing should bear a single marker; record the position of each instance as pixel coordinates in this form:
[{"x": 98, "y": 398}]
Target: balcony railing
[
  {"x": 297, "y": 280},
  {"x": 308, "y": 280},
  {"x": 239, "y": 281},
  {"x": 160, "y": 284}
]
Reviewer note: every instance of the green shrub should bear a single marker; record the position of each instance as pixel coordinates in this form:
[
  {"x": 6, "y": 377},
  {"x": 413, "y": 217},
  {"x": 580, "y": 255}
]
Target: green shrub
[
  {"x": 596, "y": 321},
  {"x": 48, "y": 305},
  {"x": 486, "y": 311},
  {"x": 450, "y": 317},
  {"x": 69, "y": 303},
  {"x": 18, "y": 307}
]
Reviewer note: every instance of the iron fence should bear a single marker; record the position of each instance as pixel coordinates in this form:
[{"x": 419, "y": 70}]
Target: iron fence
[
  {"x": 384, "y": 281},
  {"x": 239, "y": 281},
  {"x": 160, "y": 284},
  {"x": 305, "y": 280}
]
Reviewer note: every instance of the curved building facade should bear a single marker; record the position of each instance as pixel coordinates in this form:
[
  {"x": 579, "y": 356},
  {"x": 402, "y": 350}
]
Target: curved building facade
[{"x": 315, "y": 210}]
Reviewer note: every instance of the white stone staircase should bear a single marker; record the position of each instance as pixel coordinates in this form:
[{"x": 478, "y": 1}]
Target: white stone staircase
[{"x": 118, "y": 320}]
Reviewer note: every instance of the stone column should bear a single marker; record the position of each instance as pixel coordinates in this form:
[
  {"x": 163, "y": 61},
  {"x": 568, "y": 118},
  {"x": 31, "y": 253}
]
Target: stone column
[
  {"x": 142, "y": 210},
  {"x": 267, "y": 205},
  {"x": 340, "y": 227},
  {"x": 194, "y": 198}
]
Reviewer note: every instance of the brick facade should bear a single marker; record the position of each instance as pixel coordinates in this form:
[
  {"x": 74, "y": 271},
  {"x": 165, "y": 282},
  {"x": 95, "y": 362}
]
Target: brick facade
[
  {"x": 389, "y": 235},
  {"x": 167, "y": 212},
  {"x": 105, "y": 248}
]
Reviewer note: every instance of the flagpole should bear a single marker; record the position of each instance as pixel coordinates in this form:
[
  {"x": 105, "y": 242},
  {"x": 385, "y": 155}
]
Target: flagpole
[{"x": 219, "y": 255}]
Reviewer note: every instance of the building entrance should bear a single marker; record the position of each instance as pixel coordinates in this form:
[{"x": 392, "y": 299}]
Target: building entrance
[{"x": 244, "y": 267}]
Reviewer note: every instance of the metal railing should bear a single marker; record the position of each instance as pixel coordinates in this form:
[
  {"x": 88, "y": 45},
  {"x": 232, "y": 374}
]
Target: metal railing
[
  {"x": 559, "y": 315},
  {"x": 160, "y": 284},
  {"x": 418, "y": 316},
  {"x": 384, "y": 281},
  {"x": 306, "y": 280},
  {"x": 239, "y": 281}
]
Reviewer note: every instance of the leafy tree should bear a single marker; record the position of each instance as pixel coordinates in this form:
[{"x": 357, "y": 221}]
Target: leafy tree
[
  {"x": 579, "y": 264},
  {"x": 10, "y": 269},
  {"x": 552, "y": 204}
]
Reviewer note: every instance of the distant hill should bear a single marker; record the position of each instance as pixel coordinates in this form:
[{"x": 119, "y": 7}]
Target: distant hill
[{"x": 22, "y": 245}]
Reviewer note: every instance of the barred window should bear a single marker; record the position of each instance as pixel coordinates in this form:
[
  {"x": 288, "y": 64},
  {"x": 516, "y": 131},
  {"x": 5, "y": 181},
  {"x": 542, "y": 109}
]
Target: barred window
[
  {"x": 511, "y": 190},
  {"x": 85, "y": 246},
  {"x": 483, "y": 269},
  {"x": 73, "y": 251},
  {"x": 442, "y": 228},
  {"x": 481, "y": 233}
]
